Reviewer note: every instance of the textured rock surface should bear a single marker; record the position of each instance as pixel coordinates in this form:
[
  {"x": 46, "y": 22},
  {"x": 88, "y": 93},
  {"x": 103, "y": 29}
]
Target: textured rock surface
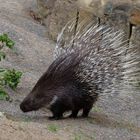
[
  {"x": 109, "y": 120},
  {"x": 116, "y": 12},
  {"x": 60, "y": 13}
]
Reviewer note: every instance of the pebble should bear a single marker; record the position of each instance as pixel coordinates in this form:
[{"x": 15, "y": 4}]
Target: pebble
[{"x": 2, "y": 115}]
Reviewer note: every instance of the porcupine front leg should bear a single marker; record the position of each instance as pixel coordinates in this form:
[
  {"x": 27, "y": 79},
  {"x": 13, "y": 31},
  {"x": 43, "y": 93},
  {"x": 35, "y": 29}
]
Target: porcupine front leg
[
  {"x": 88, "y": 106},
  {"x": 57, "y": 111},
  {"x": 56, "y": 116},
  {"x": 86, "y": 110}
]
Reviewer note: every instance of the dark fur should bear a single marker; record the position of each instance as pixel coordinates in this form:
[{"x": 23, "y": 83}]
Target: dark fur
[
  {"x": 61, "y": 80},
  {"x": 74, "y": 98}
]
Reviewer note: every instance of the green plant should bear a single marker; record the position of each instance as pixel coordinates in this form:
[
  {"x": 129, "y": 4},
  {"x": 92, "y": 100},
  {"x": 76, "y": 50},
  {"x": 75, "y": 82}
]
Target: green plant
[
  {"x": 5, "y": 41},
  {"x": 8, "y": 77},
  {"x": 3, "y": 94},
  {"x": 96, "y": 109},
  {"x": 2, "y": 55},
  {"x": 77, "y": 137},
  {"x": 12, "y": 78},
  {"x": 53, "y": 128},
  {"x": 8, "y": 42}
]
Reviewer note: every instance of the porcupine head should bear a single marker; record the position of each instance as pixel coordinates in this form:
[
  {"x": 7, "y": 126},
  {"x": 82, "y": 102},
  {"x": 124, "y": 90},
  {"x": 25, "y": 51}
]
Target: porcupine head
[{"x": 92, "y": 62}]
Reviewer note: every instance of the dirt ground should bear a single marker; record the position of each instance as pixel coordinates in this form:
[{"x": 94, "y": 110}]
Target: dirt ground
[{"x": 110, "y": 119}]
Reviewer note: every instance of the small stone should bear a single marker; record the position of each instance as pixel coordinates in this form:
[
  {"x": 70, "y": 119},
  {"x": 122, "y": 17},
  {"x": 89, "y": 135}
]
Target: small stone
[
  {"x": 135, "y": 17},
  {"x": 2, "y": 115},
  {"x": 20, "y": 39}
]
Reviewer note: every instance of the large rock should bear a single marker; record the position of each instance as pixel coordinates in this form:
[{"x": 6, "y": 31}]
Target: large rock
[{"x": 55, "y": 14}]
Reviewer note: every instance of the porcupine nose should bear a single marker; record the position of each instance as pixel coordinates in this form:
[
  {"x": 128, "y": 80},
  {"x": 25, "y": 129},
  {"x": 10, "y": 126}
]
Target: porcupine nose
[{"x": 24, "y": 107}]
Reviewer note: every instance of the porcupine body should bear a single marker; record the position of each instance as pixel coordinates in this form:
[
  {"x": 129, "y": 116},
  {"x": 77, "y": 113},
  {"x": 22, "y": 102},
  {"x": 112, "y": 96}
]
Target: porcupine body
[{"x": 92, "y": 62}]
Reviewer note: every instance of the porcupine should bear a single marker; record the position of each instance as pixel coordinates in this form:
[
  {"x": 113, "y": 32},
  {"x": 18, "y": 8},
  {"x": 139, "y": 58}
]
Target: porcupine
[{"x": 92, "y": 62}]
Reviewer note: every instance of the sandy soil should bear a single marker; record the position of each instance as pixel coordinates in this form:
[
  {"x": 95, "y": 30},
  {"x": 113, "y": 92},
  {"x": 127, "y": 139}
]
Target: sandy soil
[{"x": 110, "y": 119}]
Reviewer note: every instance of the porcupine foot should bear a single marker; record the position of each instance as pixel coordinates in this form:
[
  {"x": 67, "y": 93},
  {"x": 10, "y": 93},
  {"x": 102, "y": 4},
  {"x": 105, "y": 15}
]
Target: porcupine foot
[
  {"x": 57, "y": 116},
  {"x": 57, "y": 109},
  {"x": 85, "y": 112},
  {"x": 74, "y": 113}
]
